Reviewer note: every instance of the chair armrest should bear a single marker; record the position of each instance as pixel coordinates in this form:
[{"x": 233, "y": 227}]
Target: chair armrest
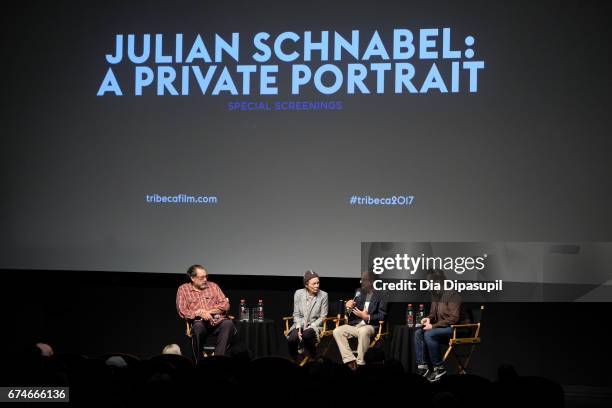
[
  {"x": 287, "y": 319},
  {"x": 380, "y": 327},
  {"x": 378, "y": 332},
  {"x": 475, "y": 326},
  {"x": 329, "y": 319},
  {"x": 187, "y": 328}
]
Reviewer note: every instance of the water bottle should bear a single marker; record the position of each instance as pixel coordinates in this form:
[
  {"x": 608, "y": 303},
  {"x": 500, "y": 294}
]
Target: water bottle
[
  {"x": 409, "y": 316},
  {"x": 260, "y": 312},
  {"x": 244, "y": 313},
  {"x": 420, "y": 315}
]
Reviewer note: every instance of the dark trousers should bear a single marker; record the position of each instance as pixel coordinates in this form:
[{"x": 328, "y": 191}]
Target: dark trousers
[
  {"x": 201, "y": 329},
  {"x": 309, "y": 341}
]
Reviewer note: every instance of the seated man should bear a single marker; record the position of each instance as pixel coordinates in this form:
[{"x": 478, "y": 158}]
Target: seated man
[
  {"x": 436, "y": 330},
  {"x": 309, "y": 311},
  {"x": 205, "y": 306},
  {"x": 364, "y": 311}
]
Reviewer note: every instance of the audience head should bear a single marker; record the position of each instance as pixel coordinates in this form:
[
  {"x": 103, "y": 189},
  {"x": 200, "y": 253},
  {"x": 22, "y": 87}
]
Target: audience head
[
  {"x": 45, "y": 349},
  {"x": 172, "y": 349}
]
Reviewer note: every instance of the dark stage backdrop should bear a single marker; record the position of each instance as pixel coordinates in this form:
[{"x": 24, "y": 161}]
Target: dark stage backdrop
[
  {"x": 492, "y": 117},
  {"x": 101, "y": 312}
]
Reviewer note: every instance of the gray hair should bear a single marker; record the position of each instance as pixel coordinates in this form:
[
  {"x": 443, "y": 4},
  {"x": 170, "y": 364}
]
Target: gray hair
[{"x": 172, "y": 349}]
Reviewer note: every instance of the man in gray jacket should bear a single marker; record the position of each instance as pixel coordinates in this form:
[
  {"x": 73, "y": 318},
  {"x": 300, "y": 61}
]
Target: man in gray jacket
[{"x": 309, "y": 310}]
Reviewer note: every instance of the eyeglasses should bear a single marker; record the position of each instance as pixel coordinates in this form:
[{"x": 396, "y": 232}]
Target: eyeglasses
[{"x": 200, "y": 277}]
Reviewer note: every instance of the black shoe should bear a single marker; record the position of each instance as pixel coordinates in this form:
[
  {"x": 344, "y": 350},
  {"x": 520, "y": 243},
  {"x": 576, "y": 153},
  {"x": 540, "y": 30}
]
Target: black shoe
[
  {"x": 423, "y": 371},
  {"x": 437, "y": 373},
  {"x": 352, "y": 365}
]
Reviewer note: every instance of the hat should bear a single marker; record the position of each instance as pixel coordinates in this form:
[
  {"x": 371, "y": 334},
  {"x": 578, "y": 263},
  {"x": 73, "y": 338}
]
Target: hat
[{"x": 309, "y": 275}]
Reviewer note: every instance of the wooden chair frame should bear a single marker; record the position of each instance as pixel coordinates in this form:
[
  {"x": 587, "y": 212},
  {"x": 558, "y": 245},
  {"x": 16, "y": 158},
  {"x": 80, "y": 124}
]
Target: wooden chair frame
[{"x": 470, "y": 340}]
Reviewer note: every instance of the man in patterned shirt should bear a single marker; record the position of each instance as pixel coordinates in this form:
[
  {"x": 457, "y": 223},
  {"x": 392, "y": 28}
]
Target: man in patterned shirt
[{"x": 205, "y": 306}]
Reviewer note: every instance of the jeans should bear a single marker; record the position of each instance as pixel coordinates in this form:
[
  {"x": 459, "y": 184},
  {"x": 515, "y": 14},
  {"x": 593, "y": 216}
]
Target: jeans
[{"x": 427, "y": 344}]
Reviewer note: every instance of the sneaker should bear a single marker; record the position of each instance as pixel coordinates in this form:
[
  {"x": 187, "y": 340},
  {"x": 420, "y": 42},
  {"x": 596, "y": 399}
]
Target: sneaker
[
  {"x": 423, "y": 370},
  {"x": 437, "y": 373}
]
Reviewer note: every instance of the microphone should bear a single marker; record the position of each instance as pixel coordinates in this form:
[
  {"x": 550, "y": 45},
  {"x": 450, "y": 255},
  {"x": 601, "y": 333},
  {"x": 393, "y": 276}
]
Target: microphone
[{"x": 357, "y": 295}]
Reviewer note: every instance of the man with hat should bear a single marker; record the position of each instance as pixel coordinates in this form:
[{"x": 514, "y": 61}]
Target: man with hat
[{"x": 309, "y": 310}]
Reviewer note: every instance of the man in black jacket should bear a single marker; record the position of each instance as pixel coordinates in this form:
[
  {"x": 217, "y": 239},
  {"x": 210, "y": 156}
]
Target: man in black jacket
[{"x": 364, "y": 312}]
